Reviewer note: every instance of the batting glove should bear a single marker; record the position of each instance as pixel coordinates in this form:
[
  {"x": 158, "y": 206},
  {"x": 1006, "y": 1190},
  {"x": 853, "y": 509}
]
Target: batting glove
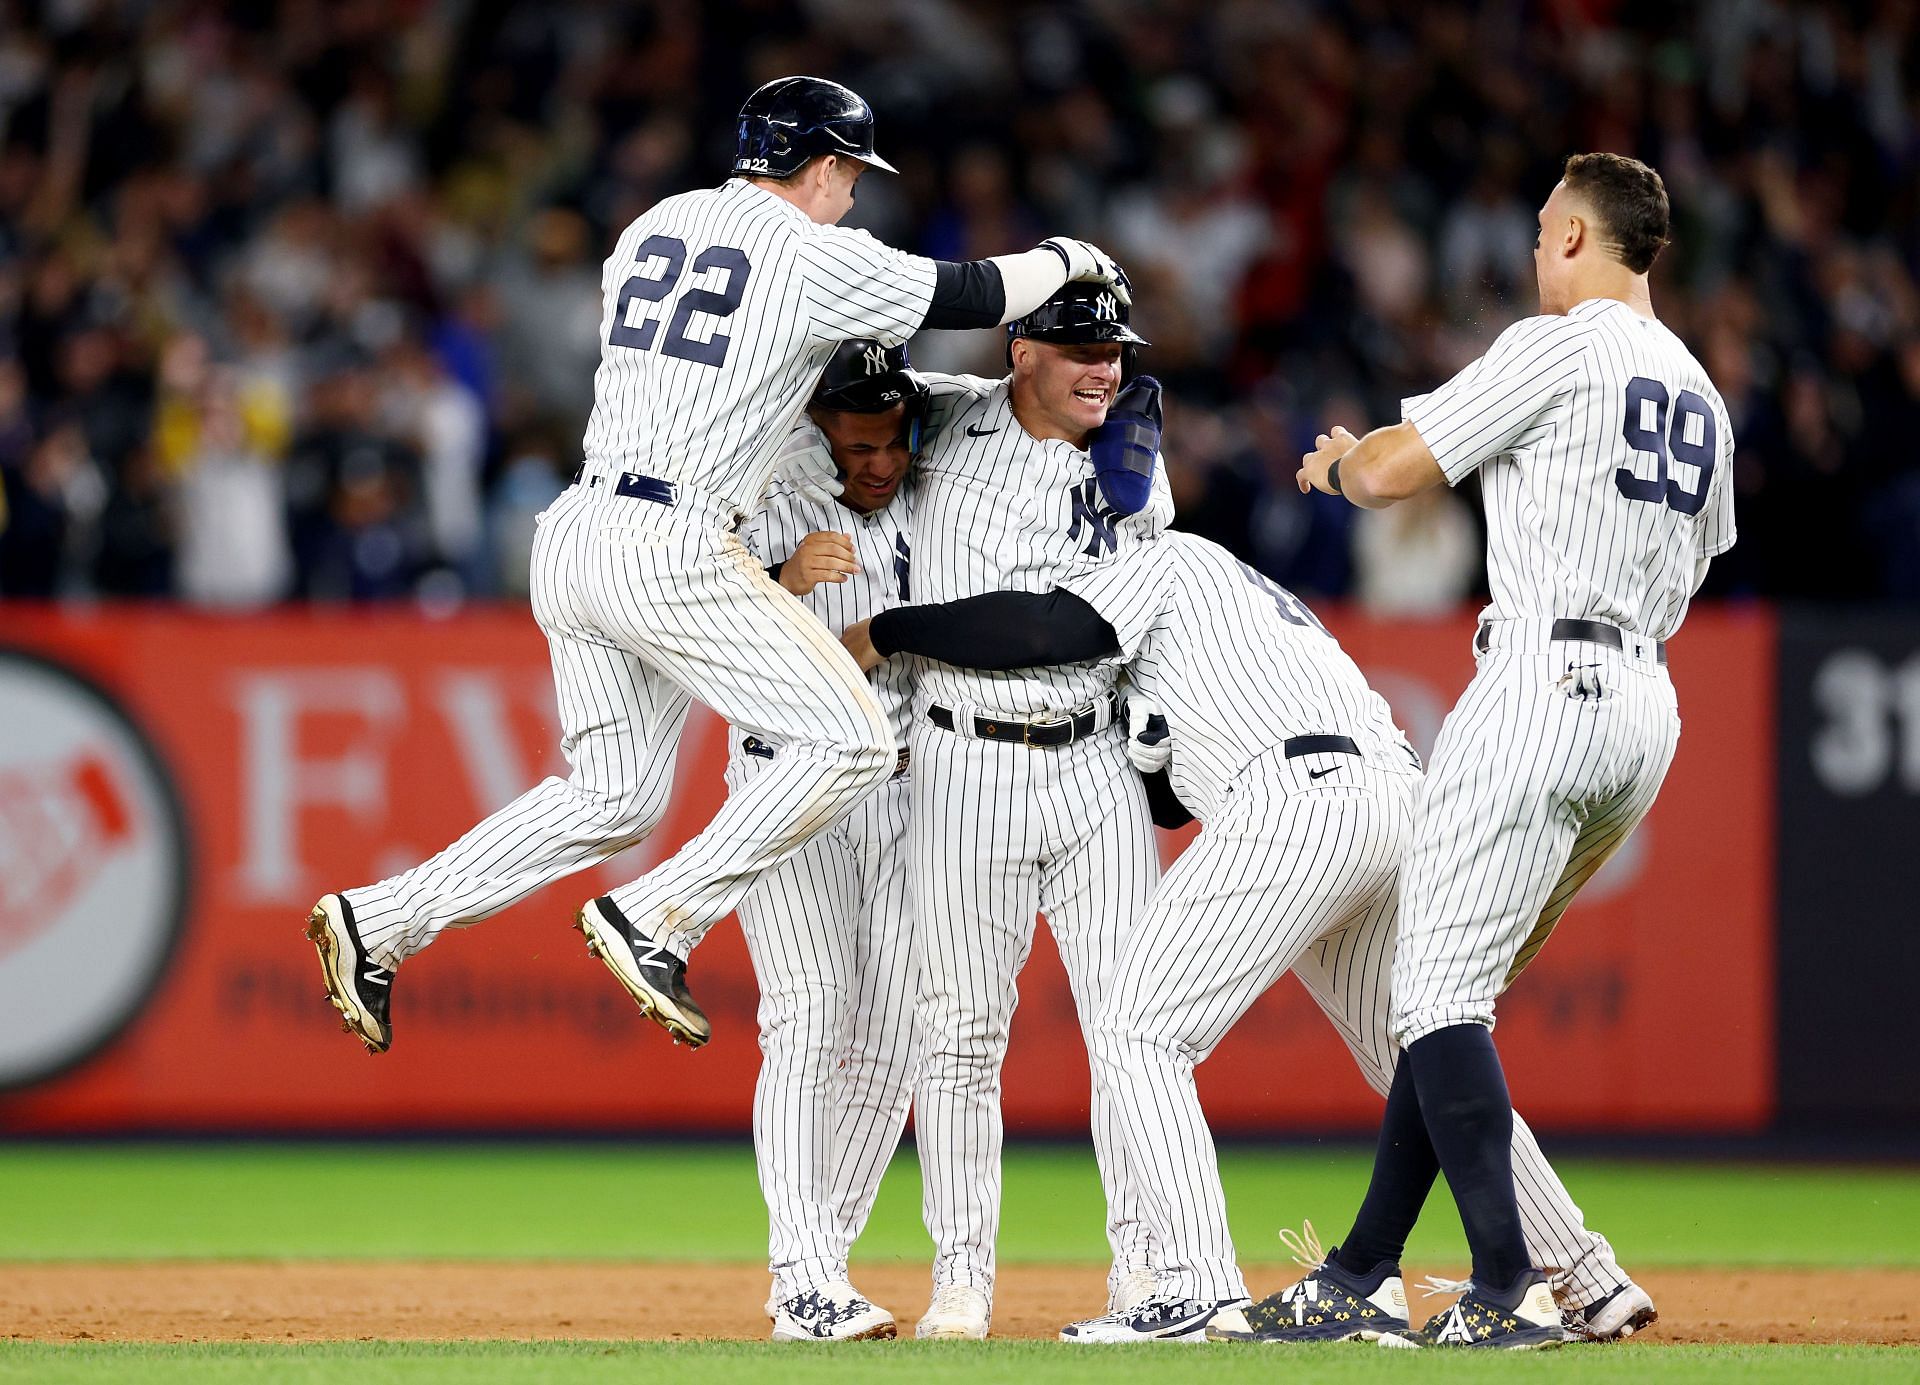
[
  {"x": 1088, "y": 263},
  {"x": 1149, "y": 741},
  {"x": 805, "y": 462}
]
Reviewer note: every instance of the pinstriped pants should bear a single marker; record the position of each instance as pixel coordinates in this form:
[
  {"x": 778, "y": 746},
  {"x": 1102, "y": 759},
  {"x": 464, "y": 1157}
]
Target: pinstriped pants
[
  {"x": 1551, "y": 758},
  {"x": 1292, "y": 874},
  {"x": 999, "y": 832},
  {"x": 644, "y": 606},
  {"x": 828, "y": 932}
]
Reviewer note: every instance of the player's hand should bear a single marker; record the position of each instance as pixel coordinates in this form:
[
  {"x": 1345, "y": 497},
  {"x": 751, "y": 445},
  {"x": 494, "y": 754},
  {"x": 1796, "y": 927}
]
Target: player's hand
[
  {"x": 1149, "y": 741},
  {"x": 805, "y": 462},
  {"x": 1328, "y": 448},
  {"x": 823, "y": 556},
  {"x": 1088, "y": 263},
  {"x": 858, "y": 639}
]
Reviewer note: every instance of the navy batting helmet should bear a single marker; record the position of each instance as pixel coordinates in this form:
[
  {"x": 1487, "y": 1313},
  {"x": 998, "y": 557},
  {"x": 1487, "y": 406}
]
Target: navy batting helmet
[
  {"x": 1079, "y": 313},
  {"x": 793, "y": 119},
  {"x": 864, "y": 377}
]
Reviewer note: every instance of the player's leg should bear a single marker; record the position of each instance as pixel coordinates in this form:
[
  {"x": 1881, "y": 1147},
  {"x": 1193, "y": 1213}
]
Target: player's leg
[
  {"x": 1103, "y": 864},
  {"x": 620, "y": 723},
  {"x": 876, "y": 1085},
  {"x": 1512, "y": 792},
  {"x": 972, "y": 839},
  {"x": 798, "y": 922},
  {"x": 701, "y": 609},
  {"x": 1255, "y": 889}
]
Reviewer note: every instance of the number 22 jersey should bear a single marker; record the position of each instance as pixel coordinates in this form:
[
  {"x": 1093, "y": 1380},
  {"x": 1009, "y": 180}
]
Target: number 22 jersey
[{"x": 719, "y": 309}]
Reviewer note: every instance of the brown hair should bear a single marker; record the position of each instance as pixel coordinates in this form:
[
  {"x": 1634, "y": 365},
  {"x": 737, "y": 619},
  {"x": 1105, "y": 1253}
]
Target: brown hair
[{"x": 1630, "y": 201}]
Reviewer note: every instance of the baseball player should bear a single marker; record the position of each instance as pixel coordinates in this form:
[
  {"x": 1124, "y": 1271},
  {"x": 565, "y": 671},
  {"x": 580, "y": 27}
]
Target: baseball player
[
  {"x": 1022, "y": 796},
  {"x": 1305, "y": 788},
  {"x": 1604, "y": 454},
  {"x": 827, "y": 928},
  {"x": 721, "y": 307}
]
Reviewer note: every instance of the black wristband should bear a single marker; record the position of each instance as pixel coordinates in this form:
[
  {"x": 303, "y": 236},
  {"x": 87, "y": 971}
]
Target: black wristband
[{"x": 1333, "y": 477}]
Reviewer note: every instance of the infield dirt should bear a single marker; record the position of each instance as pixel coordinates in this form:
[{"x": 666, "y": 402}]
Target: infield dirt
[{"x": 309, "y": 1301}]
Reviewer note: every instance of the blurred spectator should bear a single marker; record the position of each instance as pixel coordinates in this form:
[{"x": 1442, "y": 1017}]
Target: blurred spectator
[
  {"x": 206, "y": 210},
  {"x": 1419, "y": 558}
]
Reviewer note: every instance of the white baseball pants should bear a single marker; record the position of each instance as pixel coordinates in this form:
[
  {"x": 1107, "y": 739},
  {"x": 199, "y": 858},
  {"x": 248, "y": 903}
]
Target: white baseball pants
[
  {"x": 1294, "y": 874},
  {"x": 644, "y": 606},
  {"x": 999, "y": 832},
  {"x": 828, "y": 932}
]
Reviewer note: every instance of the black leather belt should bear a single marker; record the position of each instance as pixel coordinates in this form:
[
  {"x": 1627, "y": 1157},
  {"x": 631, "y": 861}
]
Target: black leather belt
[
  {"x": 1588, "y": 631},
  {"x": 1296, "y": 746},
  {"x": 633, "y": 485},
  {"x": 1045, "y": 735}
]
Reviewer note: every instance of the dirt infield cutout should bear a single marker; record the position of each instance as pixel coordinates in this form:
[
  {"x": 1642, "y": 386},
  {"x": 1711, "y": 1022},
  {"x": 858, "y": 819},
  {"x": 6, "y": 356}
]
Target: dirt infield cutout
[{"x": 312, "y": 1301}]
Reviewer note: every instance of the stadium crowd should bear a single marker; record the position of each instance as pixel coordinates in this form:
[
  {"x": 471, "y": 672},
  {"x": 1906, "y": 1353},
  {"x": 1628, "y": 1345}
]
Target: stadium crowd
[{"x": 301, "y": 299}]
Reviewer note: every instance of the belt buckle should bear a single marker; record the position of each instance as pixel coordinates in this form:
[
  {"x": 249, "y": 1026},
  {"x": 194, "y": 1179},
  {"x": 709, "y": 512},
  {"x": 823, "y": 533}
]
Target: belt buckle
[{"x": 1047, "y": 723}]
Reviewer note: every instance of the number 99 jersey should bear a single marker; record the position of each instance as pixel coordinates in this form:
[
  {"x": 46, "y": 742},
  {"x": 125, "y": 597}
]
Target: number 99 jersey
[
  {"x": 721, "y": 306},
  {"x": 1605, "y": 458}
]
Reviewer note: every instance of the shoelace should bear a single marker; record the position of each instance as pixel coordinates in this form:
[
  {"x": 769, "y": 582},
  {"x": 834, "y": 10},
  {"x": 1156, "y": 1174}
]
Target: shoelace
[
  {"x": 1433, "y": 1286},
  {"x": 1304, "y": 1246}
]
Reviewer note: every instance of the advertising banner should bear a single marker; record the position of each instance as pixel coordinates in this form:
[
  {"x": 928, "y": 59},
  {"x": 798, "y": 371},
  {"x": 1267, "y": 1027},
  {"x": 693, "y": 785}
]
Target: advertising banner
[{"x": 176, "y": 789}]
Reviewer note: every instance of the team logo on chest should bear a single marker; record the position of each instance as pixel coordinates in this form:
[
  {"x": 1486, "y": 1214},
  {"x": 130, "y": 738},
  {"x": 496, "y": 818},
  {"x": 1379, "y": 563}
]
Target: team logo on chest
[{"x": 1091, "y": 513}]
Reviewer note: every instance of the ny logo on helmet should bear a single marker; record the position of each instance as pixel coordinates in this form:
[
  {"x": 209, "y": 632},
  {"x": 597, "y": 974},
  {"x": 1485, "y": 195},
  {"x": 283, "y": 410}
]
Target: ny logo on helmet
[
  {"x": 874, "y": 360},
  {"x": 1106, "y": 308}
]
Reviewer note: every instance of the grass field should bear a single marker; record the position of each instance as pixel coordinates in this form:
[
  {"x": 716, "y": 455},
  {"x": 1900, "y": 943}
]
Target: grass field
[{"x": 701, "y": 1203}]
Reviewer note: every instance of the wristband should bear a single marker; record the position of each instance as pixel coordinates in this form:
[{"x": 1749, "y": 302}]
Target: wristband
[{"x": 1333, "y": 477}]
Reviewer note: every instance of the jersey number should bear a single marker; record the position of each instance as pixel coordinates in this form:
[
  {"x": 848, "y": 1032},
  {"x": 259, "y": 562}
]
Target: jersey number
[
  {"x": 661, "y": 258},
  {"x": 1292, "y": 609},
  {"x": 1691, "y": 439}
]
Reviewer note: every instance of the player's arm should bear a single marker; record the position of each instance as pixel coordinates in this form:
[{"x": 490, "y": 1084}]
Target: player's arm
[
  {"x": 855, "y": 286},
  {"x": 1383, "y": 468},
  {"x": 995, "y": 631},
  {"x": 1492, "y": 406},
  {"x": 993, "y": 292}
]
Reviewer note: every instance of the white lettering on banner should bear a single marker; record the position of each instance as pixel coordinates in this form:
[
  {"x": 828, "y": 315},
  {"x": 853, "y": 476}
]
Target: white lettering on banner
[
  {"x": 1872, "y": 723},
  {"x": 474, "y": 704},
  {"x": 278, "y": 783}
]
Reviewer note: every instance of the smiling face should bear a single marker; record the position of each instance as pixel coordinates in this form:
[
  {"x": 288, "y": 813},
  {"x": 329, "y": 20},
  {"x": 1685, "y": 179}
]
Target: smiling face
[
  {"x": 1064, "y": 391},
  {"x": 872, "y": 449}
]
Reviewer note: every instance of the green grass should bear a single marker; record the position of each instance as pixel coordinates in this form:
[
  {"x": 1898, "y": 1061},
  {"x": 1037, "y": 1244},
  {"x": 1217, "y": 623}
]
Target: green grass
[
  {"x": 1030, "y": 1363},
  {"x": 84, "y": 1202}
]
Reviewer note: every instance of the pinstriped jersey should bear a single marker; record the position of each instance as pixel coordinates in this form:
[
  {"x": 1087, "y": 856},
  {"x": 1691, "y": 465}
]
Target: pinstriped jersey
[
  {"x": 880, "y": 546},
  {"x": 1000, "y": 510},
  {"x": 720, "y": 308},
  {"x": 1605, "y": 457},
  {"x": 1236, "y": 661}
]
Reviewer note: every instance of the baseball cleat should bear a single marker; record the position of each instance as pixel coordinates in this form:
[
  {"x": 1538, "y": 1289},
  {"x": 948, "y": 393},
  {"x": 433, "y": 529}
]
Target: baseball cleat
[
  {"x": 1329, "y": 1305},
  {"x": 653, "y": 976},
  {"x": 959, "y": 1312},
  {"x": 835, "y": 1312},
  {"x": 1613, "y": 1317},
  {"x": 1131, "y": 1289},
  {"x": 357, "y": 986},
  {"x": 1522, "y": 1319},
  {"x": 1155, "y": 1319}
]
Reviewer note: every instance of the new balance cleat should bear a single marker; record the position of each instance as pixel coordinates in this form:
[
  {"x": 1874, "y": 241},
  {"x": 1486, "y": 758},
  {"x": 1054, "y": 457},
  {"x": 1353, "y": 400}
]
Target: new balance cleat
[
  {"x": 835, "y": 1312},
  {"x": 1156, "y": 1319},
  {"x": 1613, "y": 1317},
  {"x": 357, "y": 986},
  {"x": 653, "y": 976},
  {"x": 1522, "y": 1319}
]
